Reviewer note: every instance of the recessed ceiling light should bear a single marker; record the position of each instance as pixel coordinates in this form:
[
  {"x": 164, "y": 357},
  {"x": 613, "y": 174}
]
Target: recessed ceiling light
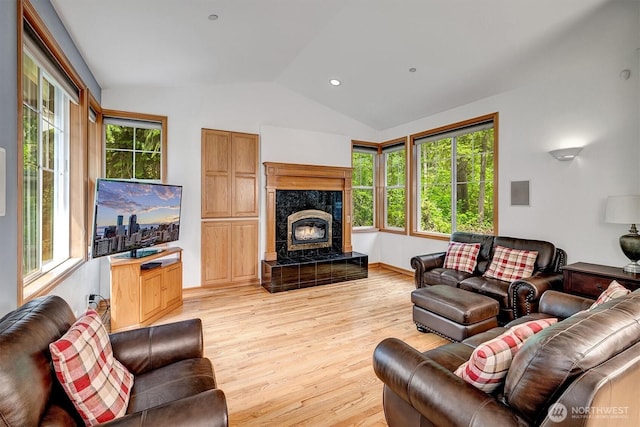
[
  {"x": 413, "y": 69},
  {"x": 213, "y": 17},
  {"x": 335, "y": 82}
]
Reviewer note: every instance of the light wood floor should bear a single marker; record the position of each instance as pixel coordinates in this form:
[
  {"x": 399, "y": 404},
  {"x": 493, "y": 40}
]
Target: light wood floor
[{"x": 303, "y": 357}]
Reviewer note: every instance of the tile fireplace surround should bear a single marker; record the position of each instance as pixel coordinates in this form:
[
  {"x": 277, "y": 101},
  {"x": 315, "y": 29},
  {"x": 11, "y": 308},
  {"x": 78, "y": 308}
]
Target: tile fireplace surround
[{"x": 292, "y": 188}]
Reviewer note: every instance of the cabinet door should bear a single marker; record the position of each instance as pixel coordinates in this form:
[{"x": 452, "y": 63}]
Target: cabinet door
[
  {"x": 172, "y": 287},
  {"x": 244, "y": 190},
  {"x": 151, "y": 284},
  {"x": 244, "y": 237},
  {"x": 216, "y": 252},
  {"x": 216, "y": 174}
]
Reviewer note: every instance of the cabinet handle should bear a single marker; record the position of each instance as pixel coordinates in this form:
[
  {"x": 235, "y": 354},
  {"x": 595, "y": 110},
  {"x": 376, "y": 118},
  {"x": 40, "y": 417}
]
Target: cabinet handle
[{"x": 599, "y": 287}]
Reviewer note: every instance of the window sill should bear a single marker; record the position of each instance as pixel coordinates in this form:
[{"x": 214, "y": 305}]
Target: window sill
[
  {"x": 364, "y": 230},
  {"x": 45, "y": 283}
]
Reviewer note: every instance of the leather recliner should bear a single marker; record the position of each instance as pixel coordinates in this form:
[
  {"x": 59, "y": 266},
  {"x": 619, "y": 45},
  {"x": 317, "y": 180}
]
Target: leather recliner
[
  {"x": 174, "y": 384},
  {"x": 581, "y": 371},
  {"x": 516, "y": 298}
]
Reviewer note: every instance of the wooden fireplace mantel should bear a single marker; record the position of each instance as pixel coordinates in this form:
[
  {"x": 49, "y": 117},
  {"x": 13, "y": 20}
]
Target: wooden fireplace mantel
[{"x": 289, "y": 176}]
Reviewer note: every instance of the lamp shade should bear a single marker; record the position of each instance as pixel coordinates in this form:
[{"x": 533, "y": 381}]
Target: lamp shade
[{"x": 623, "y": 210}]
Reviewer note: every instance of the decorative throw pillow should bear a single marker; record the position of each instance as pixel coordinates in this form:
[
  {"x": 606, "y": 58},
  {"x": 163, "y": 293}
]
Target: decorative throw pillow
[
  {"x": 98, "y": 385},
  {"x": 462, "y": 256},
  {"x": 614, "y": 290},
  {"x": 511, "y": 264},
  {"x": 489, "y": 363}
]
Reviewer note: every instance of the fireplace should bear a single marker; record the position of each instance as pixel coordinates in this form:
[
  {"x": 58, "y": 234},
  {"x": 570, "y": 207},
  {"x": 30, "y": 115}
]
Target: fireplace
[
  {"x": 309, "y": 229},
  {"x": 308, "y": 223}
]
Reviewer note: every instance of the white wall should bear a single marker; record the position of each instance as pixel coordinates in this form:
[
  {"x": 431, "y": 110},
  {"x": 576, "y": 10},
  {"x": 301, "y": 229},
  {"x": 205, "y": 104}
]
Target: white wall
[
  {"x": 270, "y": 110},
  {"x": 580, "y": 100},
  {"x": 581, "y": 103}
]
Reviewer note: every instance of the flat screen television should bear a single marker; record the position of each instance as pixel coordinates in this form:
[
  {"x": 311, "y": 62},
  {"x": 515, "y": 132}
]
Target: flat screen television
[{"x": 130, "y": 217}]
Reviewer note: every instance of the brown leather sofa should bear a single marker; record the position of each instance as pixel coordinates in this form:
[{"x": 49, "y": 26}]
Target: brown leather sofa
[
  {"x": 174, "y": 384},
  {"x": 581, "y": 371},
  {"x": 516, "y": 298}
]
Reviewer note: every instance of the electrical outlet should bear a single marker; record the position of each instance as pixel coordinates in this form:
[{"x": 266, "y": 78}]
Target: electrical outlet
[{"x": 92, "y": 301}]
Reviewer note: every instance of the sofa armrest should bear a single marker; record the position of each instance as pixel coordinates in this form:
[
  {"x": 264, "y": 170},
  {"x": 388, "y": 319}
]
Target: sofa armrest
[
  {"x": 563, "y": 305},
  {"x": 145, "y": 349},
  {"x": 208, "y": 408},
  {"x": 439, "y": 395},
  {"x": 422, "y": 263},
  {"x": 524, "y": 294}
]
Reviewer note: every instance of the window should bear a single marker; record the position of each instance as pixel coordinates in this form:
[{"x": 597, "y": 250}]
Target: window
[
  {"x": 363, "y": 160},
  {"x": 394, "y": 165},
  {"x": 52, "y": 158},
  {"x": 134, "y": 146},
  {"x": 45, "y": 149},
  {"x": 455, "y": 184}
]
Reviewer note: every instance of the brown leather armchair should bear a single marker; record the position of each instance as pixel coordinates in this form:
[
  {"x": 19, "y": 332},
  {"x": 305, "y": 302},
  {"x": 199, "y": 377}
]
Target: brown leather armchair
[
  {"x": 517, "y": 298},
  {"x": 174, "y": 384},
  {"x": 581, "y": 371}
]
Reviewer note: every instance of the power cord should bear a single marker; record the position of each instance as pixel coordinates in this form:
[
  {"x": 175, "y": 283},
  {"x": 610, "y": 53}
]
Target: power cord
[{"x": 94, "y": 302}]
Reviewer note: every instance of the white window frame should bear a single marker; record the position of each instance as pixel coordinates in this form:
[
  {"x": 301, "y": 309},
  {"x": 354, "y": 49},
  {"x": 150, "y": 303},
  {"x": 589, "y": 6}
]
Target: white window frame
[
  {"x": 61, "y": 215},
  {"x": 452, "y": 131},
  {"x": 386, "y": 151},
  {"x": 374, "y": 153},
  {"x": 136, "y": 121}
]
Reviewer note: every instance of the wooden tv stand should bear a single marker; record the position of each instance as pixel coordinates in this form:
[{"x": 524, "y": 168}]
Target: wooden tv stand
[{"x": 141, "y": 296}]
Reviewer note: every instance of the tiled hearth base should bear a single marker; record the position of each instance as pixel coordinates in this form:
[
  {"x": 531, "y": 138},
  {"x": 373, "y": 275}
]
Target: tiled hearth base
[{"x": 284, "y": 275}]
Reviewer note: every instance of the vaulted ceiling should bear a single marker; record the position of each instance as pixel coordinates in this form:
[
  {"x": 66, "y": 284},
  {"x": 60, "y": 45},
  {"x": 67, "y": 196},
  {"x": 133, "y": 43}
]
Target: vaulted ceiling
[{"x": 461, "y": 50}]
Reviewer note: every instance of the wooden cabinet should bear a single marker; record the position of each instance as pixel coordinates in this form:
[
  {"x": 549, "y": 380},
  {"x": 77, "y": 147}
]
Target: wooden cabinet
[
  {"x": 140, "y": 296},
  {"x": 229, "y": 174},
  {"x": 590, "y": 280},
  {"x": 230, "y": 197},
  {"x": 229, "y": 252}
]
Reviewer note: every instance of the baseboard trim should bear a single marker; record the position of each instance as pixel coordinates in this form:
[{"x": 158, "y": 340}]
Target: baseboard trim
[{"x": 391, "y": 267}]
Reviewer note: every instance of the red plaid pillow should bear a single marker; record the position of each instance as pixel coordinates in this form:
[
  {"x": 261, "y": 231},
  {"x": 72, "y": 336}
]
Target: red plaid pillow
[
  {"x": 462, "y": 256},
  {"x": 489, "y": 363},
  {"x": 511, "y": 264},
  {"x": 98, "y": 385},
  {"x": 614, "y": 290}
]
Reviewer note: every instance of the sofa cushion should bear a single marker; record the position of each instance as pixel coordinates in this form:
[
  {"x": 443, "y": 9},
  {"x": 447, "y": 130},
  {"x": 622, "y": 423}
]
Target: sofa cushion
[
  {"x": 496, "y": 289},
  {"x": 489, "y": 363},
  {"x": 445, "y": 276},
  {"x": 511, "y": 264},
  {"x": 614, "y": 290},
  {"x": 548, "y": 362},
  {"x": 462, "y": 256},
  {"x": 172, "y": 382},
  {"x": 97, "y": 383}
]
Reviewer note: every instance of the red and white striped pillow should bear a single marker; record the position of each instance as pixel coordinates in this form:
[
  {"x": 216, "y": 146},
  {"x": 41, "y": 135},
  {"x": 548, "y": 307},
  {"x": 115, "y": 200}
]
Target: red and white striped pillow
[
  {"x": 511, "y": 264},
  {"x": 98, "y": 385},
  {"x": 489, "y": 363},
  {"x": 614, "y": 290},
  {"x": 462, "y": 256}
]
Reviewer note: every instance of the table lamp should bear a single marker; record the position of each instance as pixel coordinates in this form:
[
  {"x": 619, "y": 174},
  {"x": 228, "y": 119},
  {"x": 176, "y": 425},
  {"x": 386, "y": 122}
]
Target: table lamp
[{"x": 626, "y": 210}]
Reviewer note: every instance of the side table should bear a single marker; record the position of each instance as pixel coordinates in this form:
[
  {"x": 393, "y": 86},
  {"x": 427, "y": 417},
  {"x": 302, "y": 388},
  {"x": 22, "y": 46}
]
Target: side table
[{"x": 590, "y": 280}]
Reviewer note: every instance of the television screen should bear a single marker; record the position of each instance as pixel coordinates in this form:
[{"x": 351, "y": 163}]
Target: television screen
[{"x": 130, "y": 216}]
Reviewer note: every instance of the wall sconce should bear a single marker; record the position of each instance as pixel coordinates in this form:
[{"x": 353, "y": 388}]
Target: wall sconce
[
  {"x": 626, "y": 210},
  {"x": 565, "y": 154}
]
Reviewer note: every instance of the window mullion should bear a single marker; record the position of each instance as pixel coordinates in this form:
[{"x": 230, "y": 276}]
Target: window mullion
[{"x": 454, "y": 186}]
